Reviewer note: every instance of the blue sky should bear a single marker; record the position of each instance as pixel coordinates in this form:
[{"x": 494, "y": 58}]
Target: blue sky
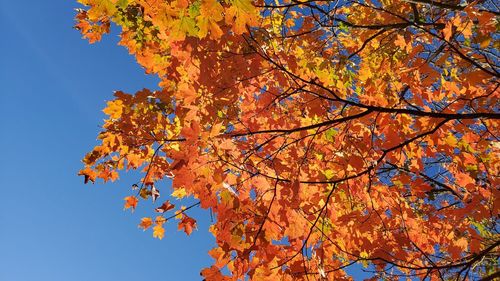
[{"x": 52, "y": 226}]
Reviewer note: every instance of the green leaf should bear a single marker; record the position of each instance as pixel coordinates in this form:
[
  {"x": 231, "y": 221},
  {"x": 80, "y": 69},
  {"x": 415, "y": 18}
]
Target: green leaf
[
  {"x": 330, "y": 134},
  {"x": 122, "y": 3}
]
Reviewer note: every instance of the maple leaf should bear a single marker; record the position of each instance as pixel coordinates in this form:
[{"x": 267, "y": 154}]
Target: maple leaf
[
  {"x": 212, "y": 273},
  {"x": 146, "y": 223},
  {"x": 158, "y": 231},
  {"x": 89, "y": 174},
  {"x": 130, "y": 202},
  {"x": 187, "y": 224},
  {"x": 179, "y": 193},
  {"x": 160, "y": 220},
  {"x": 240, "y": 13},
  {"x": 211, "y": 12},
  {"x": 114, "y": 109},
  {"x": 165, "y": 207}
]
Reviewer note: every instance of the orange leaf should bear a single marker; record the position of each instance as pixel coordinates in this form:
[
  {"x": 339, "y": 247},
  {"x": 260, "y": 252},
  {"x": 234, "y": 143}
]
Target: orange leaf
[
  {"x": 130, "y": 202},
  {"x": 187, "y": 224},
  {"x": 146, "y": 223}
]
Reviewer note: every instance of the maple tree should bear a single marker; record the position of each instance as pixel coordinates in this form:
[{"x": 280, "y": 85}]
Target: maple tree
[{"x": 320, "y": 134}]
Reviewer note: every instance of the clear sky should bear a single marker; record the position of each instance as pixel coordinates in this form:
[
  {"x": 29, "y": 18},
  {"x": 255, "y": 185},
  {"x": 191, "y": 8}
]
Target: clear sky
[{"x": 54, "y": 86}]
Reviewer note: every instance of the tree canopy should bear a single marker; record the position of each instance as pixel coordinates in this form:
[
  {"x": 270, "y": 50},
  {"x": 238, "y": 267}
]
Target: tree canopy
[{"x": 319, "y": 134}]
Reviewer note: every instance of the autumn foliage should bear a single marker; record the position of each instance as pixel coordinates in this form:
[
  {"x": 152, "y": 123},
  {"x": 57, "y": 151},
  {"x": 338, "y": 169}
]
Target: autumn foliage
[{"x": 319, "y": 134}]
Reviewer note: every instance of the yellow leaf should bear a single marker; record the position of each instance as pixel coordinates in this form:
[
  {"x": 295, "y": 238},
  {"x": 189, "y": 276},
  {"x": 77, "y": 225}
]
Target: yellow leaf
[
  {"x": 328, "y": 174},
  {"x": 397, "y": 183},
  {"x": 178, "y": 213},
  {"x": 364, "y": 73},
  {"x": 451, "y": 140},
  {"x": 210, "y": 13},
  {"x": 241, "y": 13},
  {"x": 114, "y": 109},
  {"x": 158, "y": 231},
  {"x": 102, "y": 8},
  {"x": 179, "y": 193},
  {"x": 364, "y": 255},
  {"x": 175, "y": 146}
]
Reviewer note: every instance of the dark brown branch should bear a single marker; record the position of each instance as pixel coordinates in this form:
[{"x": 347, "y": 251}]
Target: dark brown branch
[{"x": 437, "y": 4}]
